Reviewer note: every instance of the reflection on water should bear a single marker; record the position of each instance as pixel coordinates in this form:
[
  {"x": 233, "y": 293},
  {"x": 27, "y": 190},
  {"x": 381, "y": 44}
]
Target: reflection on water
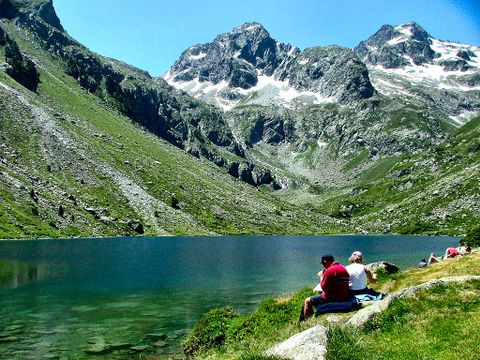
[{"x": 17, "y": 273}]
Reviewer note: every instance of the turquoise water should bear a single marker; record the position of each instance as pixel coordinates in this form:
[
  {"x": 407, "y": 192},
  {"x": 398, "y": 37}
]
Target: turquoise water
[{"x": 59, "y": 299}]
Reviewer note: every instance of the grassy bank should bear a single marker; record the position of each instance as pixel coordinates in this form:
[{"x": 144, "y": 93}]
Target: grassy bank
[{"x": 439, "y": 323}]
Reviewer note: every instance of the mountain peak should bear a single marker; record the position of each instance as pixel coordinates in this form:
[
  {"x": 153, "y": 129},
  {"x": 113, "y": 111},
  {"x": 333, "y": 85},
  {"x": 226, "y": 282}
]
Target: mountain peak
[
  {"x": 247, "y": 33},
  {"x": 413, "y": 31},
  {"x": 397, "y": 46},
  {"x": 249, "y": 27}
]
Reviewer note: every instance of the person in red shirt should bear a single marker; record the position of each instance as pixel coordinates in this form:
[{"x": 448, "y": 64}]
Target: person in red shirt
[
  {"x": 335, "y": 286},
  {"x": 451, "y": 252}
]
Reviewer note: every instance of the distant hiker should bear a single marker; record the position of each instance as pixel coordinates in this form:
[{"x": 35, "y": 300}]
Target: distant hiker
[
  {"x": 334, "y": 283},
  {"x": 359, "y": 274},
  {"x": 423, "y": 263}
]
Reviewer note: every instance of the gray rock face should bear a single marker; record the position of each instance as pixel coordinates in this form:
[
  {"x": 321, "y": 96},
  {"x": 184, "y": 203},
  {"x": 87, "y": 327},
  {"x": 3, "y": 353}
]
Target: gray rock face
[
  {"x": 332, "y": 71},
  {"x": 233, "y": 57}
]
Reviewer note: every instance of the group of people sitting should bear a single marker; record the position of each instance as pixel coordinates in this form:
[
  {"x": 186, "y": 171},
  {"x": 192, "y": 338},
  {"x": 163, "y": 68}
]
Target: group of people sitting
[
  {"x": 340, "y": 283},
  {"x": 450, "y": 253}
]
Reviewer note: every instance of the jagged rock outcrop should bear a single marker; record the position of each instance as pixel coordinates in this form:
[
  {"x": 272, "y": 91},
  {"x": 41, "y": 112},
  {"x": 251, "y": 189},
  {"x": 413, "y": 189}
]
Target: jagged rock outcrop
[
  {"x": 331, "y": 71},
  {"x": 232, "y": 57}
]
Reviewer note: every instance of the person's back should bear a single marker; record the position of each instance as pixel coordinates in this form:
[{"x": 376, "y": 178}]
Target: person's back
[
  {"x": 335, "y": 283},
  {"x": 358, "y": 276}
]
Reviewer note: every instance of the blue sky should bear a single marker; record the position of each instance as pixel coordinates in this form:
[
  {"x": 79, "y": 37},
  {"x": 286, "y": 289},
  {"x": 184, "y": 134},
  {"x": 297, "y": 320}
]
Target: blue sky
[{"x": 151, "y": 34}]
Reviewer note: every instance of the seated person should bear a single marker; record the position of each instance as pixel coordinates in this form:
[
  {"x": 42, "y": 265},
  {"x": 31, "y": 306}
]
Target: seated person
[
  {"x": 433, "y": 259},
  {"x": 423, "y": 263},
  {"x": 335, "y": 279},
  {"x": 359, "y": 274},
  {"x": 463, "y": 250},
  {"x": 451, "y": 252}
]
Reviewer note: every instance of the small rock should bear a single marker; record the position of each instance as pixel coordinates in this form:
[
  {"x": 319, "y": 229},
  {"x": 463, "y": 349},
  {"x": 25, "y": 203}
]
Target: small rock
[
  {"x": 383, "y": 266},
  {"x": 99, "y": 349},
  {"x": 120, "y": 346}
]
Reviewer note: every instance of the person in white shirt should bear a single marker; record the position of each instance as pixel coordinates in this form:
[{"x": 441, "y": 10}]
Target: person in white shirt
[{"x": 359, "y": 274}]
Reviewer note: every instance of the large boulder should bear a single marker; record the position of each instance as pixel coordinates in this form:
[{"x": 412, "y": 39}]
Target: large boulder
[{"x": 383, "y": 267}]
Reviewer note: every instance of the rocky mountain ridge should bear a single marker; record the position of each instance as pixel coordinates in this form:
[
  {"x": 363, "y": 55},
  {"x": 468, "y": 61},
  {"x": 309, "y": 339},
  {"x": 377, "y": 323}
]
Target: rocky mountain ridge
[{"x": 246, "y": 65}]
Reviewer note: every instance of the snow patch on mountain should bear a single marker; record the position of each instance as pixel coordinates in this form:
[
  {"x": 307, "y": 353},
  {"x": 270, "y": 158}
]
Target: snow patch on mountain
[
  {"x": 464, "y": 117},
  {"x": 430, "y": 74},
  {"x": 449, "y": 50},
  {"x": 267, "y": 91},
  {"x": 198, "y": 57},
  {"x": 405, "y": 29}
]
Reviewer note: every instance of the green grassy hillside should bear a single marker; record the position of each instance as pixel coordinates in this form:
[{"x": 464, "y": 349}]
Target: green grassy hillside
[
  {"x": 72, "y": 165},
  {"x": 433, "y": 191}
]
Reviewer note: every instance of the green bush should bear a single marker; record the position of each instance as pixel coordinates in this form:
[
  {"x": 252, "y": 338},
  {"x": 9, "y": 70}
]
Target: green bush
[
  {"x": 210, "y": 331},
  {"x": 472, "y": 238}
]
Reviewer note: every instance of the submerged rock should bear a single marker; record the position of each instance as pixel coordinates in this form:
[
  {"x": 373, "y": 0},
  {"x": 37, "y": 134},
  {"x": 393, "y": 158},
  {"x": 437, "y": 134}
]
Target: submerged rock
[
  {"x": 160, "y": 344},
  {"x": 140, "y": 348},
  {"x": 155, "y": 336}
]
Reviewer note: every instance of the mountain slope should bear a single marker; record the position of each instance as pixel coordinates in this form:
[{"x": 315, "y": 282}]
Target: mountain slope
[
  {"x": 435, "y": 191},
  {"x": 98, "y": 147},
  {"x": 73, "y": 165},
  {"x": 312, "y": 117}
]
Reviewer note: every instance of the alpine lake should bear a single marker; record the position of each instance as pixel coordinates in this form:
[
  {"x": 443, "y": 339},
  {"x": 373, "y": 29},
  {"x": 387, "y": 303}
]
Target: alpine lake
[{"x": 129, "y": 297}]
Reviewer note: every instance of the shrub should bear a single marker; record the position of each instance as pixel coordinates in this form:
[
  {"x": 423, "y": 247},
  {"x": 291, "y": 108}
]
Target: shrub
[
  {"x": 472, "y": 238},
  {"x": 210, "y": 331}
]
